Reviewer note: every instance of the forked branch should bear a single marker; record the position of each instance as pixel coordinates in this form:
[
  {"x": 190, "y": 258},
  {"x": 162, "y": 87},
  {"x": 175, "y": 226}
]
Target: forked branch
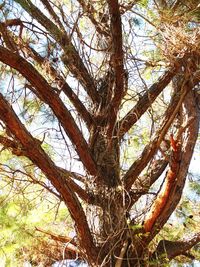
[
  {"x": 18, "y": 150},
  {"x": 71, "y": 57},
  {"x": 146, "y": 101},
  {"x": 46, "y": 93},
  {"x": 38, "y": 156},
  {"x": 150, "y": 150}
]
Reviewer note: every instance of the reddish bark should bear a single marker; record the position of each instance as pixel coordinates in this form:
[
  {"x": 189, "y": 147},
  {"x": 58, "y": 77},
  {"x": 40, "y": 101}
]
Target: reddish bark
[
  {"x": 71, "y": 57},
  {"x": 112, "y": 195},
  {"x": 47, "y": 94},
  {"x": 164, "y": 194},
  {"x": 116, "y": 62},
  {"x": 42, "y": 160}
]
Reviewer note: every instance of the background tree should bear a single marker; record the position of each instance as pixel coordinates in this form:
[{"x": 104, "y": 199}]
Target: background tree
[{"x": 102, "y": 98}]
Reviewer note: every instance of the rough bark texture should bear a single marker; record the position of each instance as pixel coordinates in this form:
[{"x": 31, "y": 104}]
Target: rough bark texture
[{"x": 120, "y": 238}]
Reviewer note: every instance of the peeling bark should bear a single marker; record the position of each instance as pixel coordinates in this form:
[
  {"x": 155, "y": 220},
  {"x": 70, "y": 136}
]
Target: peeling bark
[
  {"x": 169, "y": 182},
  {"x": 190, "y": 138},
  {"x": 150, "y": 150}
]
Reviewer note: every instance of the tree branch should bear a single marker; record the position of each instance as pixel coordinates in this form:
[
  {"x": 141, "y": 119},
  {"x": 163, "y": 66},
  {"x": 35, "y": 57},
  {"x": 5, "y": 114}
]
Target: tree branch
[
  {"x": 7, "y": 38},
  {"x": 69, "y": 243},
  {"x": 52, "y": 13},
  {"x": 142, "y": 184},
  {"x": 190, "y": 137},
  {"x": 150, "y": 149},
  {"x": 18, "y": 150},
  {"x": 29, "y": 176},
  {"x": 171, "y": 249},
  {"x": 47, "y": 94},
  {"x": 90, "y": 11},
  {"x": 63, "y": 86},
  {"x": 168, "y": 184},
  {"x": 50, "y": 70},
  {"x": 71, "y": 57},
  {"x": 37, "y": 155},
  {"x": 146, "y": 101},
  {"x": 117, "y": 58},
  {"x": 60, "y": 238}
]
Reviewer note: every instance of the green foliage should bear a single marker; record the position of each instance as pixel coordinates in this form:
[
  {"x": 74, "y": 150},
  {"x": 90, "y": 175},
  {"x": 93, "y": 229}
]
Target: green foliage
[
  {"x": 23, "y": 207},
  {"x": 143, "y": 3},
  {"x": 195, "y": 185},
  {"x": 19, "y": 218},
  {"x": 25, "y": 204}
]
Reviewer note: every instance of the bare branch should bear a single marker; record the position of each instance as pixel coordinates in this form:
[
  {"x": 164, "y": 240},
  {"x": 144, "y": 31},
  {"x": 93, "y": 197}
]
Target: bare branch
[
  {"x": 61, "y": 238},
  {"x": 18, "y": 150},
  {"x": 52, "y": 13},
  {"x": 150, "y": 150},
  {"x": 53, "y": 100},
  {"x": 40, "y": 158},
  {"x": 71, "y": 57},
  {"x": 143, "y": 183},
  {"x": 70, "y": 244},
  {"x": 90, "y": 11},
  {"x": 128, "y": 6},
  {"x": 146, "y": 101}
]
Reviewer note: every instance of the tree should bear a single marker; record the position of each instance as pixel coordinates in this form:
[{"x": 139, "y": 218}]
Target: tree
[{"x": 82, "y": 81}]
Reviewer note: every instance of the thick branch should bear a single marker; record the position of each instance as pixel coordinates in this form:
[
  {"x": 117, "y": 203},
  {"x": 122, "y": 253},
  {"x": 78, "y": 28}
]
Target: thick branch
[
  {"x": 169, "y": 182},
  {"x": 37, "y": 155},
  {"x": 171, "y": 249},
  {"x": 148, "y": 98},
  {"x": 191, "y": 134},
  {"x": 190, "y": 137},
  {"x": 47, "y": 94},
  {"x": 145, "y": 102},
  {"x": 63, "y": 86},
  {"x": 48, "y": 67},
  {"x": 71, "y": 57},
  {"x": 150, "y": 150},
  {"x": 17, "y": 150},
  {"x": 116, "y": 62}
]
